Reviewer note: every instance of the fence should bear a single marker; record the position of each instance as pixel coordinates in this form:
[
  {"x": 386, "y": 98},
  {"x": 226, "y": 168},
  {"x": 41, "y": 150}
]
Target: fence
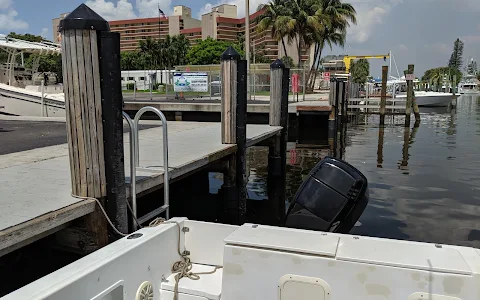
[{"x": 161, "y": 83}]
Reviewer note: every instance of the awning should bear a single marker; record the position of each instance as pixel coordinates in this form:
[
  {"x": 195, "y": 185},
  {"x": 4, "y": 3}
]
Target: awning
[{"x": 7, "y": 43}]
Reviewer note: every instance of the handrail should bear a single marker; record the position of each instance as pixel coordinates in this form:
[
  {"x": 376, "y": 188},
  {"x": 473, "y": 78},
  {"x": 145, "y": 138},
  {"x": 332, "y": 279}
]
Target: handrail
[
  {"x": 133, "y": 168},
  {"x": 165, "y": 151}
]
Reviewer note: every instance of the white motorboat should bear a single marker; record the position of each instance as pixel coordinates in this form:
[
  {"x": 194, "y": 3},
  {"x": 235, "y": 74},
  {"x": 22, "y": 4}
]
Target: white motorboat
[
  {"x": 468, "y": 85},
  {"x": 432, "y": 99},
  {"x": 27, "y": 92},
  {"x": 261, "y": 262}
]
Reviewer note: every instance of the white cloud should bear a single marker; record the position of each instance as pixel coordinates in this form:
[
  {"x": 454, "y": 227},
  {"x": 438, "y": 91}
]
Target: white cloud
[
  {"x": 471, "y": 39},
  {"x": 149, "y": 8},
  {"x": 4, "y": 4},
  {"x": 115, "y": 10},
  {"x": 8, "y": 17},
  {"x": 369, "y": 14},
  {"x": 44, "y": 32},
  {"x": 239, "y": 3}
]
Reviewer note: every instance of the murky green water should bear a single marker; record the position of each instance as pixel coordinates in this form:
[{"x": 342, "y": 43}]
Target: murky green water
[{"x": 424, "y": 182}]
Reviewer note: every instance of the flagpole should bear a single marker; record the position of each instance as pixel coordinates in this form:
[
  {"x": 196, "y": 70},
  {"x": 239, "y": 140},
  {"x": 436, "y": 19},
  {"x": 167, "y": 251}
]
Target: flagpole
[{"x": 159, "y": 22}]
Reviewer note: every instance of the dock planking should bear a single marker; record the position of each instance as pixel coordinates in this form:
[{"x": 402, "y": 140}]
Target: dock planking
[{"x": 38, "y": 183}]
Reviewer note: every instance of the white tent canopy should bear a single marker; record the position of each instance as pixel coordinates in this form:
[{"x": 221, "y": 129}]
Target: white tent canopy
[{"x": 9, "y": 44}]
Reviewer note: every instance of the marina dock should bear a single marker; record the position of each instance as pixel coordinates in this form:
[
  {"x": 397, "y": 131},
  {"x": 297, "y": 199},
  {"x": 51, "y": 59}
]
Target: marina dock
[{"x": 39, "y": 186}]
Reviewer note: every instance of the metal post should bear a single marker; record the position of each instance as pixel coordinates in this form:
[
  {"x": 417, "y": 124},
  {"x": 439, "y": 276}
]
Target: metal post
[
  {"x": 304, "y": 82},
  {"x": 151, "y": 85},
  {"x": 134, "y": 90},
  {"x": 383, "y": 99},
  {"x": 43, "y": 98},
  {"x": 247, "y": 44}
]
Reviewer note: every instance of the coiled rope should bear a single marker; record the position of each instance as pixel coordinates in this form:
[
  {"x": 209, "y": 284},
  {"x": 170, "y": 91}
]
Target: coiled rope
[{"x": 183, "y": 267}]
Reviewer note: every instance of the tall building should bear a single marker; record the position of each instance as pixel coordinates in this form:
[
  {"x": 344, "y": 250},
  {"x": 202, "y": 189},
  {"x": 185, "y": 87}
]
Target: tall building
[
  {"x": 134, "y": 30},
  {"x": 55, "y": 27},
  {"x": 221, "y": 24}
]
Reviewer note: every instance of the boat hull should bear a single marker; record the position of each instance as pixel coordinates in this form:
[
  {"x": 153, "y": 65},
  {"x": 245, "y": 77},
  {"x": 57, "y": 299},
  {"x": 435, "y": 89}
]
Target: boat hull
[
  {"x": 16, "y": 102},
  {"x": 433, "y": 99}
]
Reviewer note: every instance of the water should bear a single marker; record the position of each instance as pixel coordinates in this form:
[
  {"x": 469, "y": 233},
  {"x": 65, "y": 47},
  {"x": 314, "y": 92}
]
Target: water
[{"x": 427, "y": 189}]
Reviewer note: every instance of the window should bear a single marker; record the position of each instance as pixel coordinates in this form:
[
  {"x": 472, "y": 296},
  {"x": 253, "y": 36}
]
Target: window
[
  {"x": 131, "y": 78},
  {"x": 123, "y": 78},
  {"x": 142, "y": 78}
]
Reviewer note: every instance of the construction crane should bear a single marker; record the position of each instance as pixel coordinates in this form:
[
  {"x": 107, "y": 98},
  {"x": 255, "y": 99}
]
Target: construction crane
[{"x": 347, "y": 60}]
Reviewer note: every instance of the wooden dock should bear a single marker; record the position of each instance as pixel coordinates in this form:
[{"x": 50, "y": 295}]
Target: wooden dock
[
  {"x": 214, "y": 106},
  {"x": 36, "y": 188}
]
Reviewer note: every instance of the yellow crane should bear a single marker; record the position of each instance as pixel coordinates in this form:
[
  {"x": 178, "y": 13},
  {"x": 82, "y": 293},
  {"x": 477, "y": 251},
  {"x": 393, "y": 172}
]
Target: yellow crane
[{"x": 347, "y": 60}]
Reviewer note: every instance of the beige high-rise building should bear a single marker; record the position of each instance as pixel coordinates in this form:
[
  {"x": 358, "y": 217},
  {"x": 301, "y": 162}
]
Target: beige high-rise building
[
  {"x": 134, "y": 30},
  {"x": 55, "y": 27},
  {"x": 221, "y": 23}
]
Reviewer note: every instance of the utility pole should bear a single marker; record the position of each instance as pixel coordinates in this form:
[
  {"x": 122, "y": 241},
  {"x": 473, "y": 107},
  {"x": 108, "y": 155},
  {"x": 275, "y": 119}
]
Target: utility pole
[{"x": 247, "y": 44}]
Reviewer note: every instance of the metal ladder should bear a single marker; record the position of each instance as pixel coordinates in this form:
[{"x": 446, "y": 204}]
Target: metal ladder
[{"x": 135, "y": 161}]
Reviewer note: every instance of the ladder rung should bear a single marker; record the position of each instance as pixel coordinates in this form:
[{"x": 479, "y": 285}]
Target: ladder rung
[{"x": 152, "y": 214}]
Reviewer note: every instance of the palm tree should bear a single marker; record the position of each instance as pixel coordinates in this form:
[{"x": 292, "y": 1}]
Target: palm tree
[
  {"x": 148, "y": 49},
  {"x": 273, "y": 18},
  {"x": 306, "y": 24},
  {"x": 179, "y": 47},
  {"x": 341, "y": 15}
]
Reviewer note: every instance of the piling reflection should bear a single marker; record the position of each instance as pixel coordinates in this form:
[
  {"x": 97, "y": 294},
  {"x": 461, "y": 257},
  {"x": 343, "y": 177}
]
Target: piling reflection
[{"x": 381, "y": 134}]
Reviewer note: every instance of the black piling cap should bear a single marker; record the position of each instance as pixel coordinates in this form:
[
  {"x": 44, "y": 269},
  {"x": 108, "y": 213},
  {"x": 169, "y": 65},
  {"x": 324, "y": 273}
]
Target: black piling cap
[
  {"x": 230, "y": 54},
  {"x": 277, "y": 64},
  {"x": 83, "y": 17}
]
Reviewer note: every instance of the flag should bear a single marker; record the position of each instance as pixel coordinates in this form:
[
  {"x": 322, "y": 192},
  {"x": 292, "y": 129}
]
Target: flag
[{"x": 160, "y": 12}]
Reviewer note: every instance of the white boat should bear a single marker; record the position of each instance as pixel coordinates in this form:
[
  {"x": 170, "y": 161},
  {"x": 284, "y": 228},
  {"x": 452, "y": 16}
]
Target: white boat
[
  {"x": 432, "y": 99},
  {"x": 22, "y": 91},
  {"x": 468, "y": 85},
  {"x": 261, "y": 262}
]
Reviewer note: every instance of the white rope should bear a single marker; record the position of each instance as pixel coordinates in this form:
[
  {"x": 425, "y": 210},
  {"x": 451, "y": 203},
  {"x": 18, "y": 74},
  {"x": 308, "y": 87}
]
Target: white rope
[
  {"x": 183, "y": 267},
  {"x": 104, "y": 213}
]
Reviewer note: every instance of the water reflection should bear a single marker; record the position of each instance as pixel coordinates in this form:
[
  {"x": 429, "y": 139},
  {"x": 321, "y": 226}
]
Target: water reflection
[{"x": 429, "y": 192}]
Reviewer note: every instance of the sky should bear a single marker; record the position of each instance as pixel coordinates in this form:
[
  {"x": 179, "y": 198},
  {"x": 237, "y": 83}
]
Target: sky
[{"x": 419, "y": 32}]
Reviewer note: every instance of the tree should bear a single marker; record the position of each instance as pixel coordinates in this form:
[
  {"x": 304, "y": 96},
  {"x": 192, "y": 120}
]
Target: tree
[
  {"x": 208, "y": 52},
  {"x": 442, "y": 74},
  {"x": 288, "y": 62},
  {"x": 472, "y": 67},
  {"x": 149, "y": 49},
  {"x": 341, "y": 15},
  {"x": 360, "y": 70},
  {"x": 456, "y": 59},
  {"x": 273, "y": 18},
  {"x": 47, "y": 63},
  {"x": 131, "y": 60},
  {"x": 26, "y": 37}
]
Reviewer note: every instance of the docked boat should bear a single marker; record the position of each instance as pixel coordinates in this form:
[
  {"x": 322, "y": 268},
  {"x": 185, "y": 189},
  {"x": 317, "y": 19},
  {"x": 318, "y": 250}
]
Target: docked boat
[
  {"x": 181, "y": 259},
  {"x": 25, "y": 91},
  {"x": 432, "y": 99},
  {"x": 397, "y": 87},
  {"x": 468, "y": 85}
]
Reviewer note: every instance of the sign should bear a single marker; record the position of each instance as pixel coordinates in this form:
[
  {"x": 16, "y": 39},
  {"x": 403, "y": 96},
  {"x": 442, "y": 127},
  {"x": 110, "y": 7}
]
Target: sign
[
  {"x": 190, "y": 82},
  {"x": 295, "y": 87},
  {"x": 410, "y": 77},
  {"x": 326, "y": 76}
]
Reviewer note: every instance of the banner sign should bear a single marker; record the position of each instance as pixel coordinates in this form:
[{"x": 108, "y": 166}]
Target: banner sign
[{"x": 190, "y": 82}]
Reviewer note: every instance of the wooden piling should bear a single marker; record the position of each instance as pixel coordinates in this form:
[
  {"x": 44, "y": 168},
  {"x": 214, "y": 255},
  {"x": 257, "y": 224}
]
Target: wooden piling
[
  {"x": 86, "y": 128},
  {"x": 332, "y": 118},
  {"x": 410, "y": 96},
  {"x": 277, "y": 156},
  {"x": 234, "y": 122},
  {"x": 383, "y": 99}
]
